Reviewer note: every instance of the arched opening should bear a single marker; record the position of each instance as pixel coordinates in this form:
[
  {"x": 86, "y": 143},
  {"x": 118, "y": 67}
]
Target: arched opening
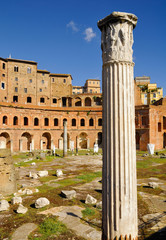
[
  {"x": 25, "y": 121},
  {"x": 36, "y": 122},
  {"x": 91, "y": 122},
  {"x": 46, "y": 141},
  {"x": 55, "y": 121},
  {"x": 78, "y": 102},
  {"x": 15, "y": 120},
  {"x": 137, "y": 140},
  {"x": 82, "y": 122},
  {"x": 46, "y": 122},
  {"x": 26, "y": 141},
  {"x": 64, "y": 101},
  {"x": 4, "y": 120},
  {"x": 99, "y": 135},
  {"x": 100, "y": 122},
  {"x": 68, "y": 140},
  {"x": 4, "y": 140},
  {"x": 83, "y": 140},
  {"x": 87, "y": 101},
  {"x": 73, "y": 123},
  {"x": 69, "y": 102},
  {"x": 98, "y": 101},
  {"x": 164, "y": 140}
]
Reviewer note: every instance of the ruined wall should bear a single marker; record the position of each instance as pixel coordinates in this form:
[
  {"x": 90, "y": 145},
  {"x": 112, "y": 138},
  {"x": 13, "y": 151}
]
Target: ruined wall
[{"x": 7, "y": 173}]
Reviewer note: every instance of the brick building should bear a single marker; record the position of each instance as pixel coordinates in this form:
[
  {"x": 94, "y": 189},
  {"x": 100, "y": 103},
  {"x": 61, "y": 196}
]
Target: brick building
[{"x": 34, "y": 103}]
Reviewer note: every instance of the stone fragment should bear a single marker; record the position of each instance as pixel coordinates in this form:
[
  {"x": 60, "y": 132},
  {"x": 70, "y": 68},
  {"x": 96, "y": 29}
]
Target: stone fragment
[
  {"x": 4, "y": 205},
  {"x": 21, "y": 209},
  {"x": 33, "y": 164},
  {"x": 90, "y": 200},
  {"x": 16, "y": 200},
  {"x": 153, "y": 185},
  {"x": 99, "y": 205},
  {"x": 59, "y": 173},
  {"x": 1, "y": 196},
  {"x": 36, "y": 190},
  {"x": 149, "y": 217},
  {"x": 145, "y": 155},
  {"x": 150, "y": 148},
  {"x": 33, "y": 175},
  {"x": 42, "y": 173},
  {"x": 68, "y": 194},
  {"x": 41, "y": 202}
]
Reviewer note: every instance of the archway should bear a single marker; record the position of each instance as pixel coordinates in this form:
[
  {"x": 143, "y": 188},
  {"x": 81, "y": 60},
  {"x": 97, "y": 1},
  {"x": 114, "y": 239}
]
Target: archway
[
  {"x": 137, "y": 140},
  {"x": 46, "y": 141},
  {"x": 4, "y": 140},
  {"x": 78, "y": 102},
  {"x": 26, "y": 141},
  {"x": 87, "y": 101},
  {"x": 164, "y": 140},
  {"x": 68, "y": 140},
  {"x": 83, "y": 140},
  {"x": 99, "y": 135}
]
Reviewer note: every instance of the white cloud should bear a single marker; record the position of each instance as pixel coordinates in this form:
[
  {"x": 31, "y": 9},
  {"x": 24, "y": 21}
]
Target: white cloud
[
  {"x": 73, "y": 26},
  {"x": 89, "y": 34}
]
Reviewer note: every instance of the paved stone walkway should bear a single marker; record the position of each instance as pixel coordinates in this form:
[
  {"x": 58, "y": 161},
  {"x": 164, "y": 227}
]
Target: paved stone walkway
[
  {"x": 71, "y": 216},
  {"x": 23, "y": 232}
]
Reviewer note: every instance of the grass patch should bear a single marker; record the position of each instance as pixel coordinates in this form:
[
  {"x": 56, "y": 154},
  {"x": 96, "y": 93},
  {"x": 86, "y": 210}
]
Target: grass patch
[
  {"x": 68, "y": 182},
  {"x": 88, "y": 212},
  {"x": 155, "y": 191},
  {"x": 88, "y": 177}
]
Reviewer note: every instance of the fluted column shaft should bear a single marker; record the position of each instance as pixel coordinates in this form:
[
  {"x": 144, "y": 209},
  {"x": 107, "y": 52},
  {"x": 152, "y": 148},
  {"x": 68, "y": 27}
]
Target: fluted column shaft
[
  {"x": 65, "y": 138},
  {"x": 119, "y": 151}
]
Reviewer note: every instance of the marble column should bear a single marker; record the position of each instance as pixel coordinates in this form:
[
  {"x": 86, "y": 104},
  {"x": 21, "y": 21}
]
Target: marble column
[
  {"x": 20, "y": 145},
  {"x": 65, "y": 139},
  {"x": 119, "y": 193}
]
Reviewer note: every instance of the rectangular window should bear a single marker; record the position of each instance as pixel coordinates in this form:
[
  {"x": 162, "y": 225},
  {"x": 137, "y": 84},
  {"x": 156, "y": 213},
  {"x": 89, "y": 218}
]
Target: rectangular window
[
  {"x": 43, "y": 74},
  {"x": 16, "y": 78},
  {"x": 25, "y": 90},
  {"x": 52, "y": 79},
  {"x": 3, "y": 65},
  {"x": 2, "y": 85},
  {"x": 40, "y": 90},
  {"x": 30, "y": 80},
  {"x": 16, "y": 89},
  {"x": 42, "y": 81},
  {"x": 3, "y": 75}
]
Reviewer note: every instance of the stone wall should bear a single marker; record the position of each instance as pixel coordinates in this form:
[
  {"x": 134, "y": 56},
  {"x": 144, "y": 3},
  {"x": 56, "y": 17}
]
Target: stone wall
[{"x": 7, "y": 173}]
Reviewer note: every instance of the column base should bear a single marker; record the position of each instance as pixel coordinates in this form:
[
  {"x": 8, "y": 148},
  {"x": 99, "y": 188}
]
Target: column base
[{"x": 121, "y": 238}]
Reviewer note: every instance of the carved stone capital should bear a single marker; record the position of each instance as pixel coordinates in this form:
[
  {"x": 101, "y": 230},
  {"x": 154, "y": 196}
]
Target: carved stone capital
[{"x": 117, "y": 36}]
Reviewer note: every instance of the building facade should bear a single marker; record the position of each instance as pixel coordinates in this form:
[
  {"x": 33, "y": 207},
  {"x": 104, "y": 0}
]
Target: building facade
[{"x": 34, "y": 103}]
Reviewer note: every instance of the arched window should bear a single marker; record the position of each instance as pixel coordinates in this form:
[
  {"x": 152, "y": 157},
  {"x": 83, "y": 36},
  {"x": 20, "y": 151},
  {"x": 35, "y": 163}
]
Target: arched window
[
  {"x": 29, "y": 99},
  {"x": 28, "y": 70},
  {"x": 15, "y": 120},
  {"x": 100, "y": 122},
  {"x": 4, "y": 120},
  {"x": 73, "y": 122},
  {"x": 46, "y": 122},
  {"x": 87, "y": 101},
  {"x": 36, "y": 122},
  {"x": 25, "y": 121},
  {"x": 91, "y": 122},
  {"x": 15, "y": 68},
  {"x": 55, "y": 121},
  {"x": 82, "y": 122}
]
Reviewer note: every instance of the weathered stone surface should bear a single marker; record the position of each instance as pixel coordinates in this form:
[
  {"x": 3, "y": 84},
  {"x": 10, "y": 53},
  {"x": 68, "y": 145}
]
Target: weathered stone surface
[
  {"x": 150, "y": 148},
  {"x": 42, "y": 173},
  {"x": 99, "y": 205},
  {"x": 33, "y": 175},
  {"x": 7, "y": 173},
  {"x": 59, "y": 173},
  {"x": 33, "y": 164},
  {"x": 16, "y": 200},
  {"x": 41, "y": 202},
  {"x": 153, "y": 185},
  {"x": 21, "y": 209},
  {"x": 4, "y": 205},
  {"x": 68, "y": 194},
  {"x": 22, "y": 232},
  {"x": 149, "y": 217},
  {"x": 90, "y": 200},
  {"x": 119, "y": 149}
]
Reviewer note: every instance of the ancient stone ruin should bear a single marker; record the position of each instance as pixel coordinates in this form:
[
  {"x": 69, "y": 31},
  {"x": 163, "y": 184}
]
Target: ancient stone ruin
[
  {"x": 119, "y": 150},
  {"x": 7, "y": 173}
]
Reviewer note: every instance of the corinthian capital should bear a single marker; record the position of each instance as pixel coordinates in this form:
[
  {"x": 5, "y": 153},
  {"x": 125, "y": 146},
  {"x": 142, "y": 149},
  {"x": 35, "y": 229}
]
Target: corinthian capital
[{"x": 117, "y": 36}]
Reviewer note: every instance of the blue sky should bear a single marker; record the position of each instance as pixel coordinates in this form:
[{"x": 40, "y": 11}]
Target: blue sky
[{"x": 63, "y": 37}]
